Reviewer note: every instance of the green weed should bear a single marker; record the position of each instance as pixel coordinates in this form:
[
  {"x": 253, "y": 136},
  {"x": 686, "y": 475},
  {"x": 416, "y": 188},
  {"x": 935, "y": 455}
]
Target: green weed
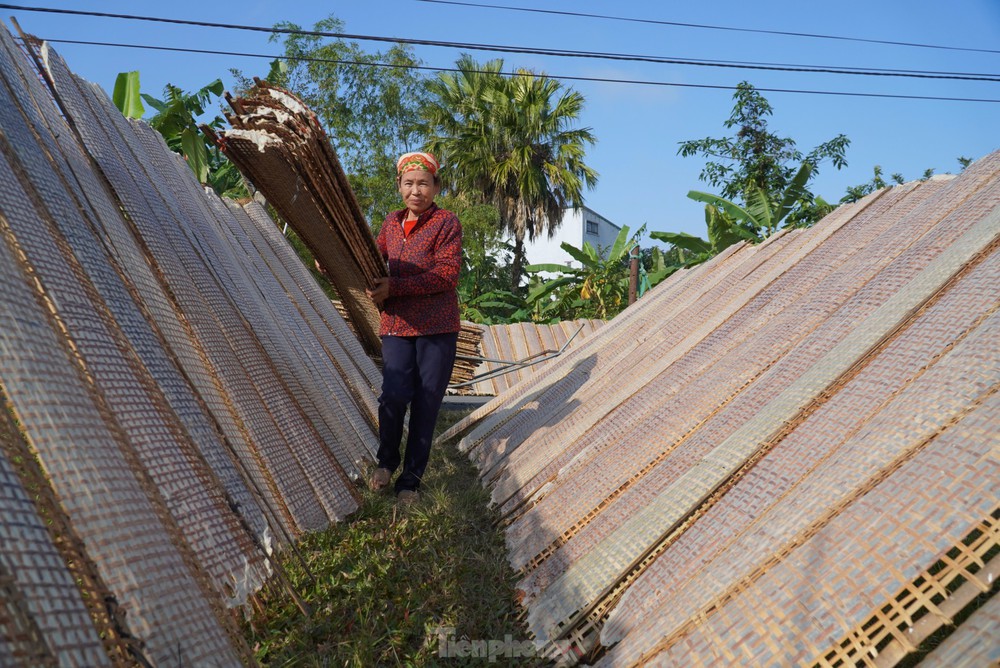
[{"x": 386, "y": 580}]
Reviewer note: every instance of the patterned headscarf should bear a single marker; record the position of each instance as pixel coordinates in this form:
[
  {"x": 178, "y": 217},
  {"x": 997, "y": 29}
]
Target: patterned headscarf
[{"x": 410, "y": 161}]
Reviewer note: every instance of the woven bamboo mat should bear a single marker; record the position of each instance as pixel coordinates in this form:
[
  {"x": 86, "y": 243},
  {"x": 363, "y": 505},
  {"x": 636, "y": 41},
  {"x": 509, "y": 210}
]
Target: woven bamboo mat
[
  {"x": 76, "y": 276},
  {"x": 252, "y": 331},
  {"x": 628, "y": 324},
  {"x": 485, "y": 419},
  {"x": 331, "y": 361},
  {"x": 911, "y": 510},
  {"x": 571, "y": 590},
  {"x": 21, "y": 641},
  {"x": 185, "y": 378},
  {"x": 560, "y": 394},
  {"x": 201, "y": 407},
  {"x": 175, "y": 326},
  {"x": 237, "y": 356},
  {"x": 141, "y": 553},
  {"x": 238, "y": 269},
  {"x": 528, "y": 342},
  {"x": 330, "y": 402},
  {"x": 560, "y": 442},
  {"x": 211, "y": 315},
  {"x": 279, "y": 145},
  {"x": 971, "y": 644},
  {"x": 635, "y": 364},
  {"x": 803, "y": 452},
  {"x": 327, "y": 324},
  {"x": 678, "y": 336},
  {"x": 689, "y": 394},
  {"x": 37, "y": 570},
  {"x": 104, "y": 322}
]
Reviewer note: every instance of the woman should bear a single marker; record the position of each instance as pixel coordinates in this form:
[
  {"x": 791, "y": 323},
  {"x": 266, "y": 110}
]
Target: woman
[{"x": 419, "y": 323}]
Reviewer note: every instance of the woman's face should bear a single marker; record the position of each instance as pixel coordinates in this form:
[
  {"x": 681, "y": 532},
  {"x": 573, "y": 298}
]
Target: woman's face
[{"x": 418, "y": 190}]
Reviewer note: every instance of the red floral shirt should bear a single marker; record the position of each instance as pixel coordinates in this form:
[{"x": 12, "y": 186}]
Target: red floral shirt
[{"x": 423, "y": 273}]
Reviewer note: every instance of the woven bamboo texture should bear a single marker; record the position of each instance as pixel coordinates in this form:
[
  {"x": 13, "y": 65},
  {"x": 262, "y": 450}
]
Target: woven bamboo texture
[
  {"x": 869, "y": 322},
  {"x": 696, "y": 484},
  {"x": 107, "y": 329},
  {"x": 300, "y": 465},
  {"x": 179, "y": 357},
  {"x": 183, "y": 399},
  {"x": 332, "y": 329},
  {"x": 280, "y": 146},
  {"x": 310, "y": 378},
  {"x": 21, "y": 641},
  {"x": 503, "y": 347},
  {"x": 716, "y": 369},
  {"x": 971, "y": 644},
  {"x": 141, "y": 554},
  {"x": 485, "y": 419},
  {"x": 39, "y": 586},
  {"x": 179, "y": 531}
]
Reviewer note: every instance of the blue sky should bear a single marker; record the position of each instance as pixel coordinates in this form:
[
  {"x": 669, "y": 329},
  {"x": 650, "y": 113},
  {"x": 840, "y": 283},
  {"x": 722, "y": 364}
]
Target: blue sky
[{"x": 642, "y": 179}]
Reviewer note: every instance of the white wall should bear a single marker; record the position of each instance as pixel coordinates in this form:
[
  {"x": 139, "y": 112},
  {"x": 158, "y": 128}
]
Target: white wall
[{"x": 574, "y": 230}]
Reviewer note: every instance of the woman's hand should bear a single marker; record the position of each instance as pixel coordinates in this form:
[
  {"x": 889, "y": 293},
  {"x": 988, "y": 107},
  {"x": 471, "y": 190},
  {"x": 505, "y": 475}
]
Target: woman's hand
[{"x": 380, "y": 292}]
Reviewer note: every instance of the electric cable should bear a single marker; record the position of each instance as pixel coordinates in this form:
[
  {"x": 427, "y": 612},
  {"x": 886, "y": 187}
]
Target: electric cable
[
  {"x": 523, "y": 73},
  {"x": 709, "y": 27},
  {"x": 535, "y": 51}
]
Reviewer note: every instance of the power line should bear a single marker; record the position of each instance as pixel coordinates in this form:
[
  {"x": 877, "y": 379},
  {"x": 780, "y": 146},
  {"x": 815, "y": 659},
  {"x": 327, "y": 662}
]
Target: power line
[
  {"x": 709, "y": 27},
  {"x": 514, "y": 74},
  {"x": 919, "y": 74}
]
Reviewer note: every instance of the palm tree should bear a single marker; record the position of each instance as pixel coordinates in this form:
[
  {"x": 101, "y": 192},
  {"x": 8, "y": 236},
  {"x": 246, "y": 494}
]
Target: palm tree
[{"x": 513, "y": 140}]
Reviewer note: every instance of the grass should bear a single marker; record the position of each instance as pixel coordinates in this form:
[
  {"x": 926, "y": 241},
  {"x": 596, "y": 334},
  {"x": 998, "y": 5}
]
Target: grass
[{"x": 386, "y": 580}]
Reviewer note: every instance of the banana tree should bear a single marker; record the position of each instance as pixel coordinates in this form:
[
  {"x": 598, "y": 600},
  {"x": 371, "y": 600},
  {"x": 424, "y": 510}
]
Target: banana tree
[
  {"x": 761, "y": 217},
  {"x": 690, "y": 250},
  {"x": 596, "y": 289},
  {"x": 126, "y": 94},
  {"x": 176, "y": 119}
]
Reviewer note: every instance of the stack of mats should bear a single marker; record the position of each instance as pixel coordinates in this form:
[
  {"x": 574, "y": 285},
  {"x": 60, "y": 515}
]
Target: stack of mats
[
  {"x": 467, "y": 357},
  {"x": 786, "y": 456},
  {"x": 512, "y": 353},
  {"x": 178, "y": 396},
  {"x": 280, "y": 146}
]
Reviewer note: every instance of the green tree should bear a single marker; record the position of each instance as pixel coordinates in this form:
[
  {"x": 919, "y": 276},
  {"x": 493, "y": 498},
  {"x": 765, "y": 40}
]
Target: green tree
[
  {"x": 688, "y": 250},
  {"x": 514, "y": 140},
  {"x": 755, "y": 160},
  {"x": 761, "y": 217},
  {"x": 486, "y": 256},
  {"x": 729, "y": 223},
  {"x": 177, "y": 120},
  {"x": 877, "y": 182},
  {"x": 368, "y": 102}
]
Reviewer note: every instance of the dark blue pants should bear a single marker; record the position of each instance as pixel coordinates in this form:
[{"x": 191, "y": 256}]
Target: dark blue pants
[{"x": 415, "y": 373}]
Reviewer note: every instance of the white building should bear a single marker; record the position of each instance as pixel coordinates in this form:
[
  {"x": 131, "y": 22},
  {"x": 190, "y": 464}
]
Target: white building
[{"x": 579, "y": 226}]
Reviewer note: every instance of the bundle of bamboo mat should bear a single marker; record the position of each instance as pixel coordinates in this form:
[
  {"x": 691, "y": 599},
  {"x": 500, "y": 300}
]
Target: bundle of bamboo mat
[
  {"x": 467, "y": 358},
  {"x": 279, "y": 145}
]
